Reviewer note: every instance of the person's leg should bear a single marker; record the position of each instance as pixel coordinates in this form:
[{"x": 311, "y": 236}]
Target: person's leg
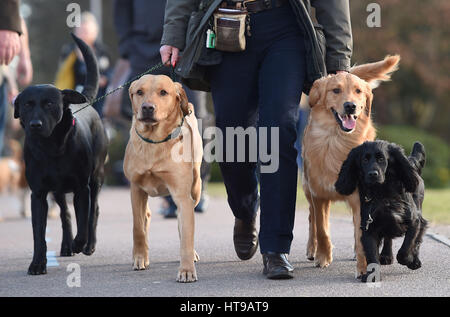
[
  {"x": 234, "y": 91},
  {"x": 281, "y": 78},
  {"x": 301, "y": 124}
]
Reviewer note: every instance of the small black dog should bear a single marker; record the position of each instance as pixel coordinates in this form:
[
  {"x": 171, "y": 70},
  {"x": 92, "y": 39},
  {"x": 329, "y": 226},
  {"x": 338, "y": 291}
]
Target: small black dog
[
  {"x": 391, "y": 192},
  {"x": 63, "y": 153}
]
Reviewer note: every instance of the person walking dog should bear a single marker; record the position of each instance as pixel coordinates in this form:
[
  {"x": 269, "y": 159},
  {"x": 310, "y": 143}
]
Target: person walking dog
[{"x": 255, "y": 57}]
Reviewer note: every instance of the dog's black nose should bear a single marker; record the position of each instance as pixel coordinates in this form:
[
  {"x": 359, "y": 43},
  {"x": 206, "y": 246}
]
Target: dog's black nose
[
  {"x": 349, "y": 107},
  {"x": 373, "y": 174},
  {"x": 36, "y": 124},
  {"x": 148, "y": 108}
]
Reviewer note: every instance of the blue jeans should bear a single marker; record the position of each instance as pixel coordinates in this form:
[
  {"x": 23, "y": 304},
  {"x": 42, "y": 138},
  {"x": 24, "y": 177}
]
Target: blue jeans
[
  {"x": 301, "y": 125},
  {"x": 261, "y": 87},
  {"x": 3, "y": 114}
]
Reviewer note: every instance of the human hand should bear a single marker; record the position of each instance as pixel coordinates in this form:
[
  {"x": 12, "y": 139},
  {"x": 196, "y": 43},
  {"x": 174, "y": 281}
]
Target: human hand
[
  {"x": 9, "y": 46},
  {"x": 170, "y": 55}
]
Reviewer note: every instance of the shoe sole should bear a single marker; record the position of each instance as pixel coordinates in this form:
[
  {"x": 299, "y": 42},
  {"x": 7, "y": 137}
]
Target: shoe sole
[
  {"x": 246, "y": 257},
  {"x": 280, "y": 276}
]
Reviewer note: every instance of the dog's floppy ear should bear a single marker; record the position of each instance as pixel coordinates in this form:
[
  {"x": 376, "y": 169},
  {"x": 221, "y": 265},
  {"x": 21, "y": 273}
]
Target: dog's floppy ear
[
  {"x": 369, "y": 99},
  {"x": 73, "y": 97},
  {"x": 131, "y": 91},
  {"x": 183, "y": 99},
  {"x": 374, "y": 73},
  {"x": 403, "y": 168},
  {"x": 318, "y": 92},
  {"x": 349, "y": 174},
  {"x": 17, "y": 107}
]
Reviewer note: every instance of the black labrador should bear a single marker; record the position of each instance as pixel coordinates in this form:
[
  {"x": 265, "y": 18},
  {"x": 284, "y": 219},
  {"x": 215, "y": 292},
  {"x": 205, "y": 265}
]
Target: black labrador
[
  {"x": 391, "y": 192},
  {"x": 64, "y": 153}
]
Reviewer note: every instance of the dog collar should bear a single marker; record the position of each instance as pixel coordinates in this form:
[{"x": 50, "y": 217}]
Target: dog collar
[{"x": 175, "y": 134}]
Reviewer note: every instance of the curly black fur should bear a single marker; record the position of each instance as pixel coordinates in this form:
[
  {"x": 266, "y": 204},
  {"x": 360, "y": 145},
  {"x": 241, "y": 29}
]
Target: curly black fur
[{"x": 391, "y": 192}]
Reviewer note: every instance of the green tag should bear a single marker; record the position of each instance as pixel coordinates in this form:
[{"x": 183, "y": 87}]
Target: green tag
[{"x": 210, "y": 39}]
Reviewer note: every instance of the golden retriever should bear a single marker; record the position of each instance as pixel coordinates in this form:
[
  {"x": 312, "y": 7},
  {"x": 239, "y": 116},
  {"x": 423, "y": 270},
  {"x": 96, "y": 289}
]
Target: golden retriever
[
  {"x": 340, "y": 120},
  {"x": 163, "y": 157},
  {"x": 12, "y": 175}
]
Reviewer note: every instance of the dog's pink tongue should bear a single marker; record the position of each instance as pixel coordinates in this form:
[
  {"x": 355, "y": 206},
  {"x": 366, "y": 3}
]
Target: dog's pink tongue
[{"x": 348, "y": 122}]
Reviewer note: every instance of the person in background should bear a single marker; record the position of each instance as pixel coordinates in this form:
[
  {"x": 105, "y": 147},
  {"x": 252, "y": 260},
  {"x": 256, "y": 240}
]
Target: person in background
[
  {"x": 303, "y": 115},
  {"x": 72, "y": 70},
  {"x": 139, "y": 25},
  {"x": 13, "y": 42}
]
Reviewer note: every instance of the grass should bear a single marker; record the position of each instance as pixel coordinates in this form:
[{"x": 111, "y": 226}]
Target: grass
[{"x": 436, "y": 207}]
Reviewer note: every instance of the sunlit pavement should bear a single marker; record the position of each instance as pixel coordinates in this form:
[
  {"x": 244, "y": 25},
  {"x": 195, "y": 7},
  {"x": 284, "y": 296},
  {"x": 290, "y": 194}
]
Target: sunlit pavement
[{"x": 109, "y": 271}]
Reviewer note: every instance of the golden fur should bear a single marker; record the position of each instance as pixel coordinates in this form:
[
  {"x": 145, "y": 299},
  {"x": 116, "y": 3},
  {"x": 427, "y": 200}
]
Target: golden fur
[
  {"x": 326, "y": 146},
  {"x": 153, "y": 169},
  {"x": 12, "y": 174}
]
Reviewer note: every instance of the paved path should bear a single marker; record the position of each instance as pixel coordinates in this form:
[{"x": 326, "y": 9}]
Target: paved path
[{"x": 108, "y": 272}]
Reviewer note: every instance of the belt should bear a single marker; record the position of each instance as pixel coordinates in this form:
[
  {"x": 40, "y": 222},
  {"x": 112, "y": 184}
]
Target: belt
[{"x": 256, "y": 6}]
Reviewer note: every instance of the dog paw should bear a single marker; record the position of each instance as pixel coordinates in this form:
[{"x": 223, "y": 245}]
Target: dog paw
[
  {"x": 78, "y": 246},
  {"x": 415, "y": 264},
  {"x": 405, "y": 258},
  {"x": 311, "y": 252},
  {"x": 323, "y": 260},
  {"x": 141, "y": 262},
  {"x": 369, "y": 278},
  {"x": 386, "y": 259},
  {"x": 187, "y": 275},
  {"x": 37, "y": 268},
  {"x": 66, "y": 250},
  {"x": 89, "y": 250}
]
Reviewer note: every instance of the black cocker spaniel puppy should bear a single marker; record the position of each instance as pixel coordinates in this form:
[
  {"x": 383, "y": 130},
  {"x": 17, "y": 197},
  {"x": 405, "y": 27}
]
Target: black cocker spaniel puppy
[{"x": 391, "y": 192}]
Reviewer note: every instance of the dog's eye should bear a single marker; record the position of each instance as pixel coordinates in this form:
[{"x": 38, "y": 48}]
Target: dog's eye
[
  {"x": 358, "y": 91},
  {"x": 163, "y": 93},
  {"x": 140, "y": 93},
  {"x": 49, "y": 104},
  {"x": 337, "y": 90},
  {"x": 365, "y": 160},
  {"x": 380, "y": 159}
]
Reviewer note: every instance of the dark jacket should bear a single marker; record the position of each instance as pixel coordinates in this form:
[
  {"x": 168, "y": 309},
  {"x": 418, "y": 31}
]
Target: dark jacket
[
  {"x": 139, "y": 25},
  {"x": 9, "y": 16},
  {"x": 328, "y": 44}
]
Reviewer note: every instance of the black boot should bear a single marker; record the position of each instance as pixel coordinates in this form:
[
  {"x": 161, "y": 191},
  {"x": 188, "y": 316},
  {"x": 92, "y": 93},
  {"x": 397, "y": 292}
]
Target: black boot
[
  {"x": 245, "y": 238},
  {"x": 277, "y": 267}
]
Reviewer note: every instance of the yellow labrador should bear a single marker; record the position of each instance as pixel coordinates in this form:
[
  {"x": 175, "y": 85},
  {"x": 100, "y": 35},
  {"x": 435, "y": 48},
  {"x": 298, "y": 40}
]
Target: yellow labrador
[{"x": 163, "y": 157}]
